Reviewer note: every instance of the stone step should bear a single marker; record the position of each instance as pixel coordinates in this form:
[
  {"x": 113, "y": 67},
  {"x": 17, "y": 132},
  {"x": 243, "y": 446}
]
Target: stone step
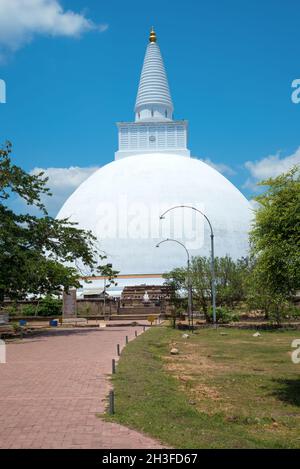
[
  {"x": 143, "y": 317},
  {"x": 141, "y": 311}
]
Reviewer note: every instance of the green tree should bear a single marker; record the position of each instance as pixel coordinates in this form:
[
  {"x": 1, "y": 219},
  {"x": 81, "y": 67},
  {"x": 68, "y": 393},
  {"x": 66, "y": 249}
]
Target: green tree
[
  {"x": 201, "y": 282},
  {"x": 176, "y": 280},
  {"x": 231, "y": 280},
  {"x": 231, "y": 283},
  {"x": 259, "y": 296},
  {"x": 275, "y": 243},
  {"x": 39, "y": 255}
]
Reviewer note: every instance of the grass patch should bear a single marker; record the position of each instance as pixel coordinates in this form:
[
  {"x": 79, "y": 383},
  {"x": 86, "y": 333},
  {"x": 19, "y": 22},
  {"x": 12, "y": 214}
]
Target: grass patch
[{"x": 221, "y": 391}]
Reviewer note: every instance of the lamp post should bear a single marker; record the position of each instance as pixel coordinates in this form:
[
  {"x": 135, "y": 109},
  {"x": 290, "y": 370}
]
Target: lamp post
[
  {"x": 190, "y": 308},
  {"x": 213, "y": 279},
  {"x": 104, "y": 302},
  {"x": 109, "y": 266}
]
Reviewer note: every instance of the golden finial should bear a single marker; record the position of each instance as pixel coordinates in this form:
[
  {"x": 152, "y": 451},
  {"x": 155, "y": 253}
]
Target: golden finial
[{"x": 152, "y": 37}]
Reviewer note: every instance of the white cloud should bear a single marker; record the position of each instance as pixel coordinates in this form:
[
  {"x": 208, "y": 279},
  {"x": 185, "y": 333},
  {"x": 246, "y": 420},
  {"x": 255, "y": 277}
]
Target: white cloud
[
  {"x": 62, "y": 182},
  {"x": 251, "y": 184},
  {"x": 21, "y": 20},
  {"x": 270, "y": 166},
  {"x": 222, "y": 168}
]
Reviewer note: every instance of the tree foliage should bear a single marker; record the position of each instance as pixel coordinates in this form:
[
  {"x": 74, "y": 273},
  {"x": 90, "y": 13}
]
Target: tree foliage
[
  {"x": 275, "y": 244},
  {"x": 39, "y": 255},
  {"x": 230, "y": 282},
  {"x": 270, "y": 277}
]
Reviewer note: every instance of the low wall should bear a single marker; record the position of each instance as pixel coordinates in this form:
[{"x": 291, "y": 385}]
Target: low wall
[
  {"x": 95, "y": 307},
  {"x": 84, "y": 308},
  {"x": 88, "y": 308}
]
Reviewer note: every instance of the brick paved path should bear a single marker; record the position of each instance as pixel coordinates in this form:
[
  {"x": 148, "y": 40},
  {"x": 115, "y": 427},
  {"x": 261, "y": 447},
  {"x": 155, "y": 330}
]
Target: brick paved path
[{"x": 53, "y": 385}]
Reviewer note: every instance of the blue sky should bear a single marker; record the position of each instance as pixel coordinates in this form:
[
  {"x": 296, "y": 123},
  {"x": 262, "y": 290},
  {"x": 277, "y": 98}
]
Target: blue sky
[{"x": 230, "y": 65}]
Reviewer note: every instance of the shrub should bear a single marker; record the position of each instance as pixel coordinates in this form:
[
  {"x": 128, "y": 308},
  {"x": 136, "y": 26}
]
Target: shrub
[
  {"x": 10, "y": 310},
  {"x": 50, "y": 306},
  {"x": 29, "y": 310},
  {"x": 47, "y": 306},
  {"x": 295, "y": 312},
  {"x": 235, "y": 317},
  {"x": 223, "y": 315},
  {"x": 291, "y": 311},
  {"x": 16, "y": 327}
]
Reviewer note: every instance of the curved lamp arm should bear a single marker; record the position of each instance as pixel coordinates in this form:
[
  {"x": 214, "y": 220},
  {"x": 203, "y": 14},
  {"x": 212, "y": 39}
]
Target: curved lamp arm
[
  {"x": 193, "y": 208},
  {"x": 175, "y": 241},
  {"x": 212, "y": 253}
]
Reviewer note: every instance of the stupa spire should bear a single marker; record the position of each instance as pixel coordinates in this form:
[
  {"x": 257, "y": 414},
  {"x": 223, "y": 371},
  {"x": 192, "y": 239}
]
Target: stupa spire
[
  {"x": 154, "y": 129},
  {"x": 152, "y": 37},
  {"x": 153, "y": 100}
]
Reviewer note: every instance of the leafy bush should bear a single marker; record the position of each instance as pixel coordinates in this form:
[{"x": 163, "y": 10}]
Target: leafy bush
[
  {"x": 16, "y": 327},
  {"x": 50, "y": 306},
  {"x": 47, "y": 306},
  {"x": 234, "y": 317},
  {"x": 294, "y": 312},
  {"x": 29, "y": 310},
  {"x": 223, "y": 315},
  {"x": 290, "y": 311},
  {"x": 10, "y": 310}
]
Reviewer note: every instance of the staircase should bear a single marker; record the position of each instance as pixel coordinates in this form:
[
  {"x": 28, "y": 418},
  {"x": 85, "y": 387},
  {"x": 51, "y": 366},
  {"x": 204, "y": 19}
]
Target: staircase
[{"x": 133, "y": 306}]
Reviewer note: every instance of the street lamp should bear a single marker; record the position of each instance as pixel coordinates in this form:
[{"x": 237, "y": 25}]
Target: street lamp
[
  {"x": 109, "y": 266},
  {"x": 190, "y": 309},
  {"x": 213, "y": 279}
]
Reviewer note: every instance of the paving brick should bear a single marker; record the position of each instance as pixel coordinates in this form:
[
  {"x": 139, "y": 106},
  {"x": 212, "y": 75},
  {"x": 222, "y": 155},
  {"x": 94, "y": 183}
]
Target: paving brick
[{"x": 52, "y": 386}]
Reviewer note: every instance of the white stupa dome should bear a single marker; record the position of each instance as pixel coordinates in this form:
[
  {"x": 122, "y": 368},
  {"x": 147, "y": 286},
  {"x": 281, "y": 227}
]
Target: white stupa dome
[{"x": 121, "y": 203}]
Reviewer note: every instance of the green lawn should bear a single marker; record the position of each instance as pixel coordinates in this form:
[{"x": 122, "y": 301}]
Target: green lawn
[{"x": 221, "y": 391}]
